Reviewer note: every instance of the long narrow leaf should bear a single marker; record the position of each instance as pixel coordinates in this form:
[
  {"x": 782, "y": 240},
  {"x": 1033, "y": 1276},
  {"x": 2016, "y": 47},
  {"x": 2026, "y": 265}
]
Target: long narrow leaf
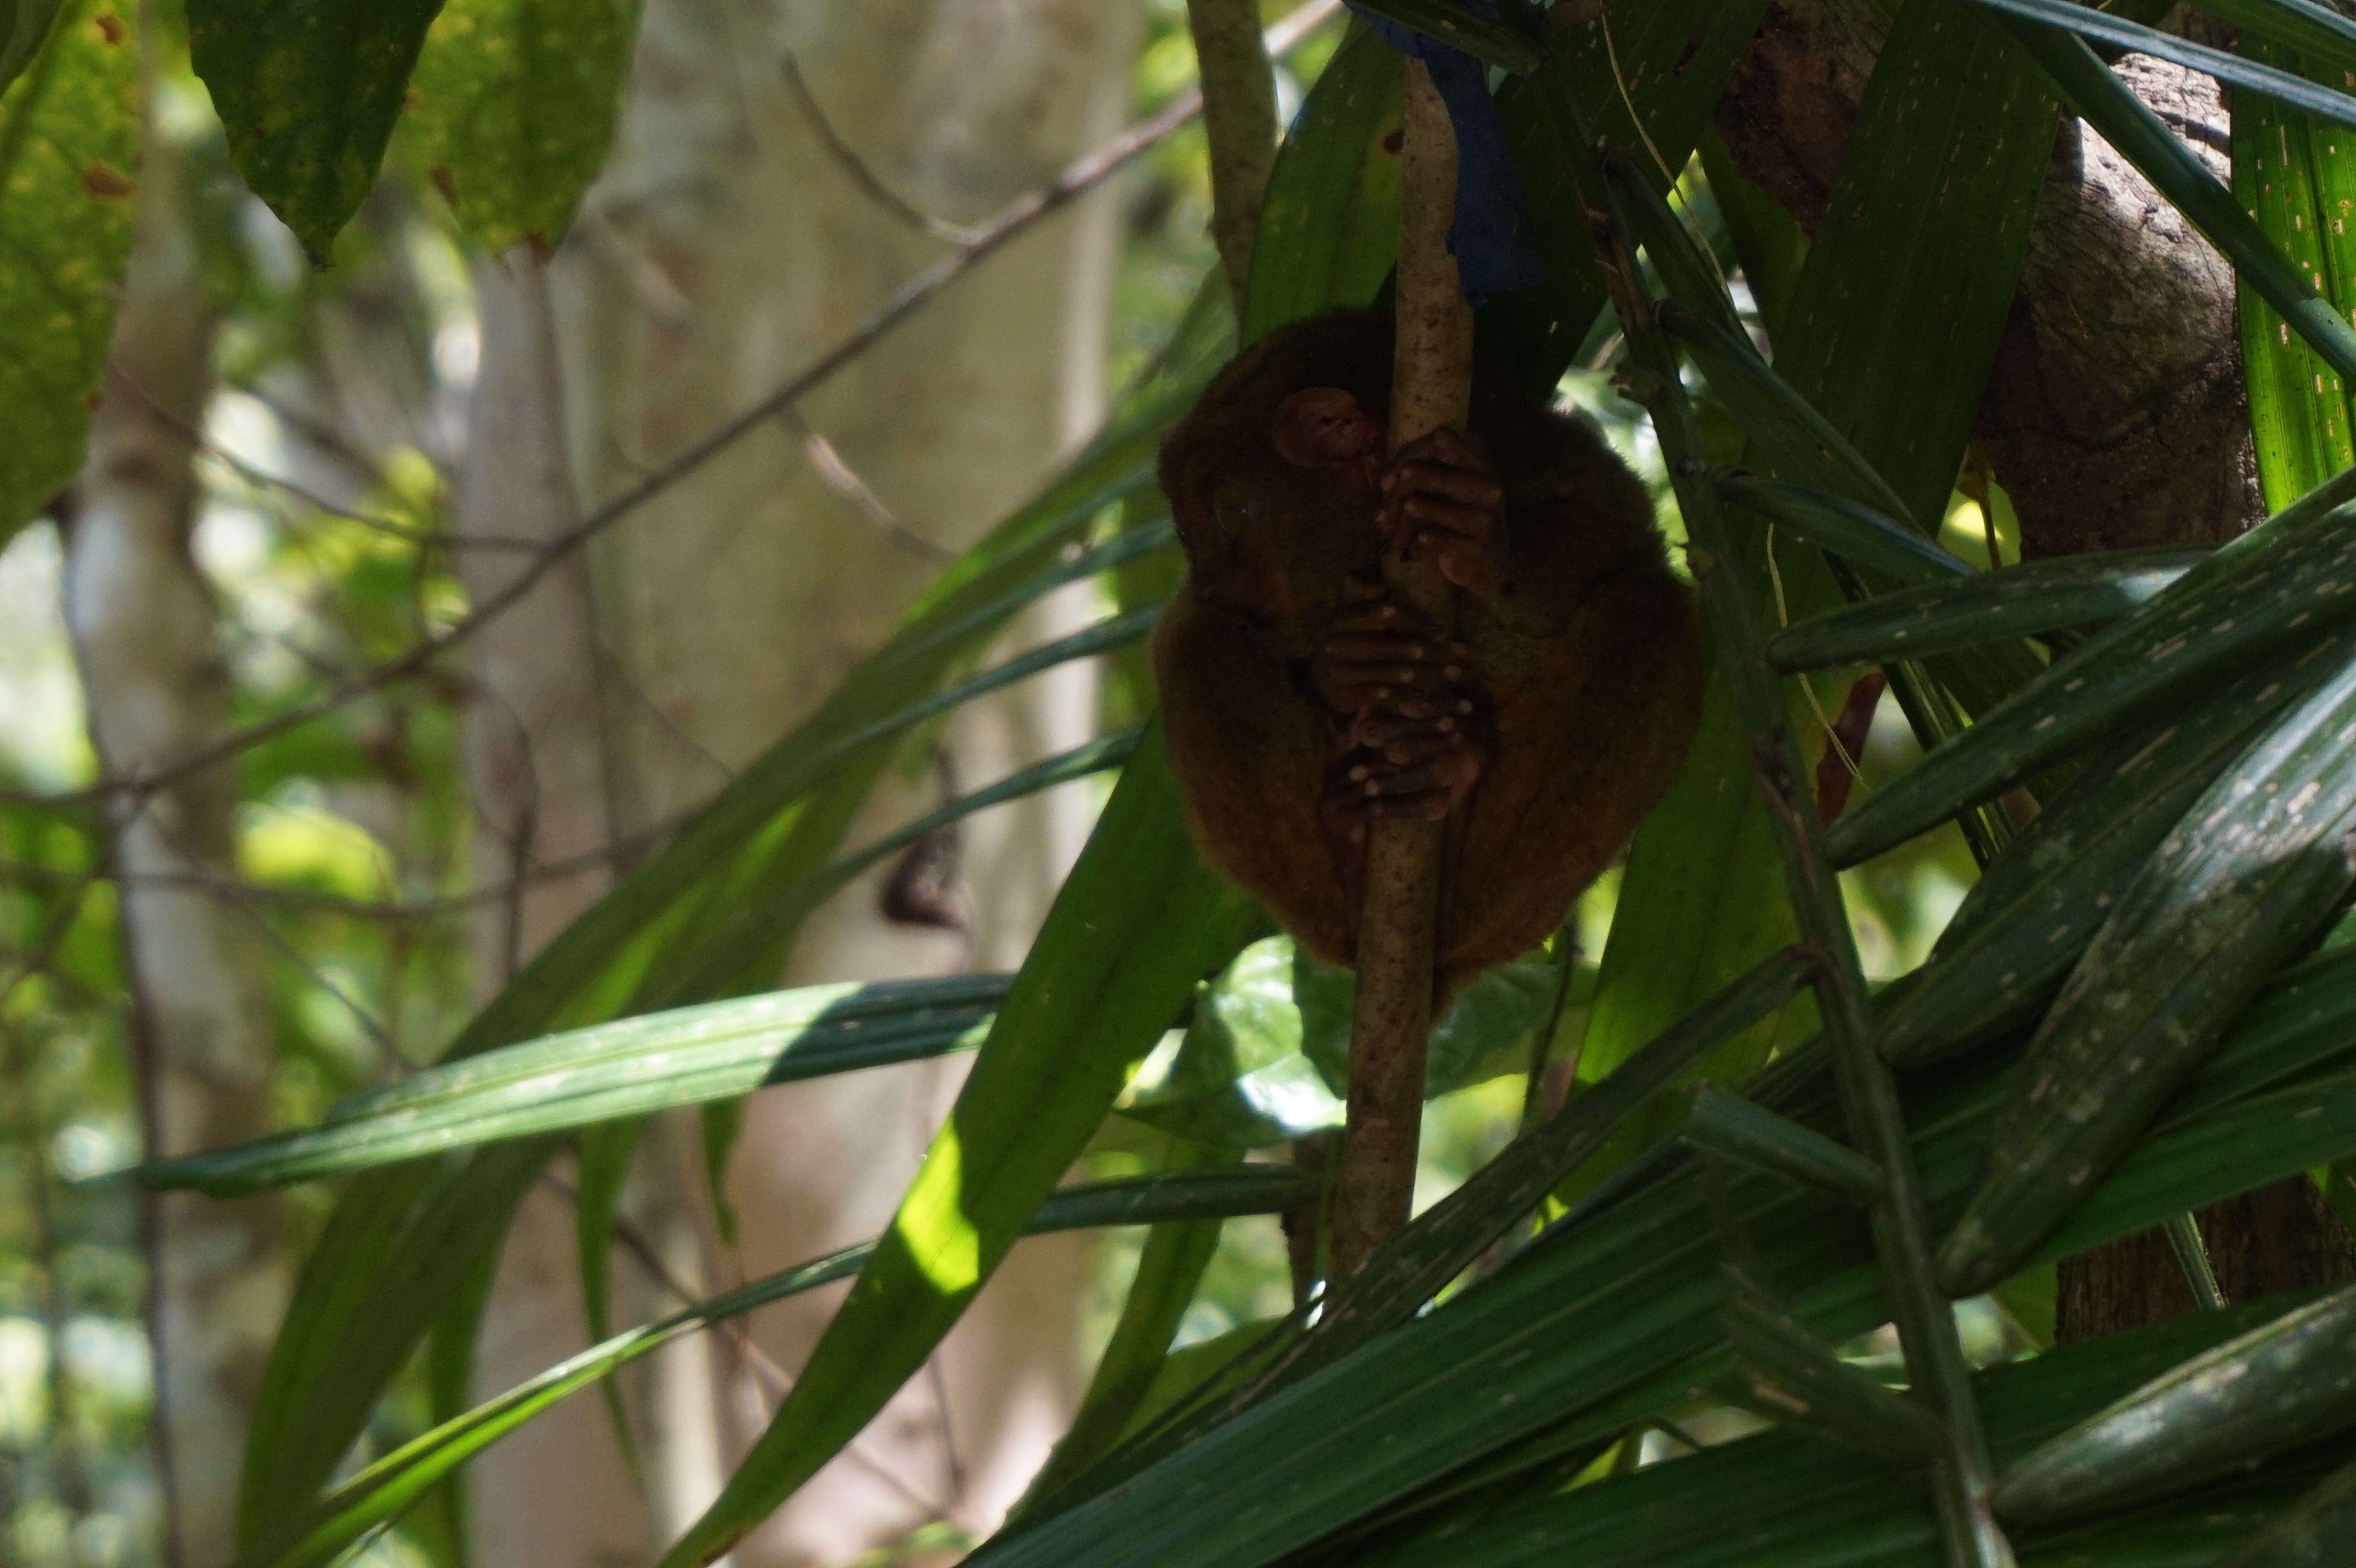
[
  {"x": 2244, "y": 881},
  {"x": 2028, "y": 600},
  {"x": 1137, "y": 924},
  {"x": 2279, "y": 1385},
  {"x": 2282, "y": 86},
  {"x": 627, "y": 1069},
  {"x": 378, "y": 1494},
  {"x": 2278, "y": 585}
]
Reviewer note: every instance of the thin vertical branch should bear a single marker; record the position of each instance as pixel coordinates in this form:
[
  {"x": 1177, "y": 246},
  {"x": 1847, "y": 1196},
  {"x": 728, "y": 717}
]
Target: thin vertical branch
[
  {"x": 1869, "y": 1093},
  {"x": 1240, "y": 116},
  {"x": 1431, "y": 383}
]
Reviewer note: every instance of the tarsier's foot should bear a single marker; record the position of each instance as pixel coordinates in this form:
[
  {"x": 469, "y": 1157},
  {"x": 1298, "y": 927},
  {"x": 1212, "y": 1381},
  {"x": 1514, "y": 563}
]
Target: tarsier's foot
[
  {"x": 1413, "y": 720},
  {"x": 1441, "y": 502}
]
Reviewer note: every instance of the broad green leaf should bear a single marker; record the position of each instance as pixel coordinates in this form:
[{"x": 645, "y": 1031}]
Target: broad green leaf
[
  {"x": 602, "y": 1159},
  {"x": 400, "y": 1250},
  {"x": 2244, "y": 882},
  {"x": 1784, "y": 1499},
  {"x": 1787, "y": 1374},
  {"x": 1138, "y": 924},
  {"x": 2031, "y": 914},
  {"x": 2278, "y": 585},
  {"x": 1895, "y": 319},
  {"x": 2253, "y": 76},
  {"x": 2028, "y": 600},
  {"x": 1236, "y": 1078},
  {"x": 2299, "y": 405},
  {"x": 609, "y": 1073},
  {"x": 1612, "y": 1314},
  {"x": 516, "y": 101},
  {"x": 307, "y": 93},
  {"x": 2317, "y": 30},
  {"x": 2279, "y": 1385},
  {"x": 321, "y": 1530},
  {"x": 29, "y": 29},
  {"x": 1728, "y": 1127},
  {"x": 1409, "y": 1269},
  {"x": 68, "y": 144},
  {"x": 1168, "y": 1269},
  {"x": 2320, "y": 1532},
  {"x": 1701, "y": 902},
  {"x": 1329, "y": 223}
]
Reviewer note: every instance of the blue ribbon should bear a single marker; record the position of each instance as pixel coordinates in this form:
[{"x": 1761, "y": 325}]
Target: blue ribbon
[{"x": 1490, "y": 233}]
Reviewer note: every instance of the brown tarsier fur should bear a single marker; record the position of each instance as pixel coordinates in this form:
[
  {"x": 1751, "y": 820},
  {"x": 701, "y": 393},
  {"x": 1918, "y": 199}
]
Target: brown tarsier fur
[{"x": 1299, "y": 704}]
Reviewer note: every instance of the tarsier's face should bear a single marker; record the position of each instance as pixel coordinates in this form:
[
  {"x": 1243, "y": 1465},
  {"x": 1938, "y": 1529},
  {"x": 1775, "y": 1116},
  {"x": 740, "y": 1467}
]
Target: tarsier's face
[{"x": 1274, "y": 526}]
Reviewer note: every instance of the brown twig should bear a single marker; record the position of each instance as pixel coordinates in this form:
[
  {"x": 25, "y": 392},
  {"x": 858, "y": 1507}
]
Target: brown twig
[{"x": 1397, "y": 923}]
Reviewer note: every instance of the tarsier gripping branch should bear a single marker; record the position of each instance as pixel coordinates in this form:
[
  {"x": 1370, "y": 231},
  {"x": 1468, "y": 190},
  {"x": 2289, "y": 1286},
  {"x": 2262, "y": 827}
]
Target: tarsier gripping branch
[{"x": 1302, "y": 705}]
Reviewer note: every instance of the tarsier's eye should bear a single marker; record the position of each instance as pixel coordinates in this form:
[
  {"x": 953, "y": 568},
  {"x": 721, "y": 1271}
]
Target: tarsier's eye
[{"x": 1231, "y": 505}]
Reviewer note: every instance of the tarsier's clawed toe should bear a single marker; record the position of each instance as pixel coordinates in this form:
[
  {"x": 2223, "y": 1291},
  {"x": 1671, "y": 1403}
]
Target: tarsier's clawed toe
[
  {"x": 1373, "y": 656},
  {"x": 1441, "y": 502}
]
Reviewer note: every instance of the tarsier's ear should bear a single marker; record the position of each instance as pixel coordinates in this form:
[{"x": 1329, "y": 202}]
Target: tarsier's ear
[{"x": 1323, "y": 427}]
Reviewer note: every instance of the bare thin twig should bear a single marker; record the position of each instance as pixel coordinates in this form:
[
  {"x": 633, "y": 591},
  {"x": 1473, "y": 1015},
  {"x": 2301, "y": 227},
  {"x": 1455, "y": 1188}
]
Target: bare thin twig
[
  {"x": 866, "y": 178},
  {"x": 845, "y": 482},
  {"x": 749, "y": 1355},
  {"x": 355, "y": 908}
]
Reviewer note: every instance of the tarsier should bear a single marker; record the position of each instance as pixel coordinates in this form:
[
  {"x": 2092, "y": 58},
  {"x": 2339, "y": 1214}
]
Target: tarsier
[{"x": 1302, "y": 705}]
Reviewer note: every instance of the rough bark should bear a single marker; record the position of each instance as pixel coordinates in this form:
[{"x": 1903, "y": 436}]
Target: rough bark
[
  {"x": 2114, "y": 416},
  {"x": 2282, "y": 1237},
  {"x": 141, "y": 618},
  {"x": 724, "y": 246}
]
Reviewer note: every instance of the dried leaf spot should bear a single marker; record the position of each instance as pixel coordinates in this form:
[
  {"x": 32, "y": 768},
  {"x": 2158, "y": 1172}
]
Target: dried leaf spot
[
  {"x": 1395, "y": 141},
  {"x": 102, "y": 181},
  {"x": 110, "y": 27}
]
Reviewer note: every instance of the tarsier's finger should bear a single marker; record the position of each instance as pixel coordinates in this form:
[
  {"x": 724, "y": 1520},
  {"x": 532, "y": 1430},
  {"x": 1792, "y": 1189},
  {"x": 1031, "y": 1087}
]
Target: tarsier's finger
[
  {"x": 1387, "y": 732},
  {"x": 1378, "y": 779},
  {"x": 1469, "y": 485},
  {"x": 1442, "y": 445},
  {"x": 1384, "y": 647},
  {"x": 1429, "y": 514}
]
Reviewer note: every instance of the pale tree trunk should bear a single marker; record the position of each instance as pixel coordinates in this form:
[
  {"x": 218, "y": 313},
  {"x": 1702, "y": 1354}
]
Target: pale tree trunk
[
  {"x": 142, "y": 623},
  {"x": 723, "y": 250}
]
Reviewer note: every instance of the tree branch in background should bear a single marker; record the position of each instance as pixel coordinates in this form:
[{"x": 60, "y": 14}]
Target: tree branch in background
[
  {"x": 1240, "y": 116},
  {"x": 1078, "y": 179},
  {"x": 1432, "y": 386}
]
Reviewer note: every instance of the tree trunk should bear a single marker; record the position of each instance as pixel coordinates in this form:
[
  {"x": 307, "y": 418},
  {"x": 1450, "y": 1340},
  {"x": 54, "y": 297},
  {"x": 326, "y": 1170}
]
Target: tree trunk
[
  {"x": 141, "y": 619},
  {"x": 723, "y": 248},
  {"x": 2115, "y": 417}
]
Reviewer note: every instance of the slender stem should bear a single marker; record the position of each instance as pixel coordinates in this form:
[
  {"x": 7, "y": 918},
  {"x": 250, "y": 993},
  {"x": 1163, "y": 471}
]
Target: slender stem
[
  {"x": 1240, "y": 117},
  {"x": 1869, "y": 1093},
  {"x": 2192, "y": 1257},
  {"x": 1432, "y": 380}
]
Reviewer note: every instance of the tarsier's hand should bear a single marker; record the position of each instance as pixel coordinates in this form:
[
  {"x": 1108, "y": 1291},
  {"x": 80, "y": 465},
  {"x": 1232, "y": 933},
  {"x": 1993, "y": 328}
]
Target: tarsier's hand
[
  {"x": 1441, "y": 502},
  {"x": 1412, "y": 722}
]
